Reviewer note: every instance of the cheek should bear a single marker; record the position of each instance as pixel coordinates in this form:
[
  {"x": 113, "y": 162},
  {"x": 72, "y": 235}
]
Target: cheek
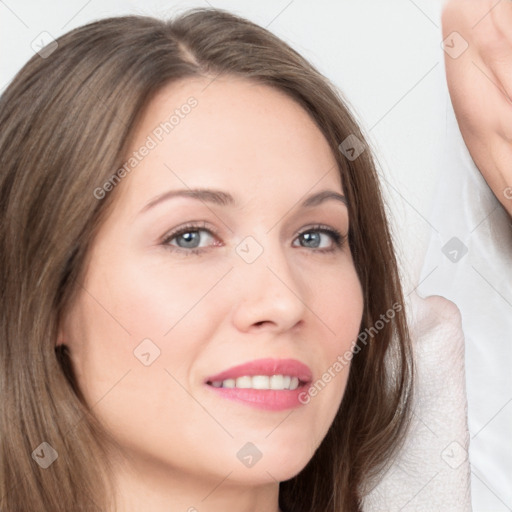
[
  {"x": 137, "y": 317},
  {"x": 157, "y": 298},
  {"x": 136, "y": 301},
  {"x": 338, "y": 303},
  {"x": 340, "y": 306}
]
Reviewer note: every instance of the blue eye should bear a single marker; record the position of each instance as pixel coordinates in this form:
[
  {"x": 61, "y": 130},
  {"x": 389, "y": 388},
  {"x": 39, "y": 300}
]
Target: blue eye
[
  {"x": 196, "y": 239},
  {"x": 318, "y": 236},
  {"x": 189, "y": 239}
]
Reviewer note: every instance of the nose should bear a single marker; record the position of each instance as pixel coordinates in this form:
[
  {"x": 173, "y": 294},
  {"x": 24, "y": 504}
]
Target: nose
[{"x": 270, "y": 295}]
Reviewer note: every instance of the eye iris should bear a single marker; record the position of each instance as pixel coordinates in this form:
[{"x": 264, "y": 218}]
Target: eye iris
[
  {"x": 191, "y": 239},
  {"x": 311, "y": 239}
]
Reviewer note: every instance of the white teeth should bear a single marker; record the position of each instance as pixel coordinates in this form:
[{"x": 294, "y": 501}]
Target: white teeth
[
  {"x": 261, "y": 382},
  {"x": 276, "y": 382},
  {"x": 228, "y": 383},
  {"x": 243, "y": 382}
]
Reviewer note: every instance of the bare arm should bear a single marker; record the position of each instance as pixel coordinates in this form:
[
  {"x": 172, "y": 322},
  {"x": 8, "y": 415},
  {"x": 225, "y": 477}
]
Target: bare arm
[{"x": 480, "y": 85}]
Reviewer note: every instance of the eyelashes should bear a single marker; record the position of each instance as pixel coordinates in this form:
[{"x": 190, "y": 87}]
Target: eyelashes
[
  {"x": 189, "y": 235},
  {"x": 189, "y": 229},
  {"x": 336, "y": 237}
]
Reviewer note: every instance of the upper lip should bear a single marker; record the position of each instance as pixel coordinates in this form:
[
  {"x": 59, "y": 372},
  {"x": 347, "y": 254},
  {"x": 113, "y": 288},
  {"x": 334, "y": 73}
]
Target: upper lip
[{"x": 268, "y": 367}]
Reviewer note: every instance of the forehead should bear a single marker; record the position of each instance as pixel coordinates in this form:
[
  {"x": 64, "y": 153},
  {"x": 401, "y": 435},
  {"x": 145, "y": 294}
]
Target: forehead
[{"x": 232, "y": 133}]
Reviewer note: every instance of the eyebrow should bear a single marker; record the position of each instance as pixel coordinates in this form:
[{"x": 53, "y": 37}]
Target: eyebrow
[{"x": 225, "y": 199}]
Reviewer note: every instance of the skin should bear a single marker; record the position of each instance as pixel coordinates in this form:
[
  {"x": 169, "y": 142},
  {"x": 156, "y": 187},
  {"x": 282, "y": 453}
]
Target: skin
[
  {"x": 210, "y": 311},
  {"x": 480, "y": 85}
]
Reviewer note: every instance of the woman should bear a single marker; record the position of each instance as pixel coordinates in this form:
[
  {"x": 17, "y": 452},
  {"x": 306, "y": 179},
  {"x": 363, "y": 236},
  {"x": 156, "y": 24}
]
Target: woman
[{"x": 193, "y": 237}]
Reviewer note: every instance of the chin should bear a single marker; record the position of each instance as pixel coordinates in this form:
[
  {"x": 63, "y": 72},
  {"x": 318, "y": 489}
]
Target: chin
[{"x": 278, "y": 467}]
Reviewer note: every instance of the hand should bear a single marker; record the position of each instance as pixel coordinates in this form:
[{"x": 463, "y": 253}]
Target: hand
[{"x": 480, "y": 85}]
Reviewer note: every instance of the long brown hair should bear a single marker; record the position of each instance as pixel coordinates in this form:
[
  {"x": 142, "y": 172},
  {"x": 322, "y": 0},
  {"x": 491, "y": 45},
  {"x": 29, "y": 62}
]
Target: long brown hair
[{"x": 65, "y": 122}]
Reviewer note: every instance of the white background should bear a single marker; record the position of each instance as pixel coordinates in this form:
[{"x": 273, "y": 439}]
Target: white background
[{"x": 386, "y": 58}]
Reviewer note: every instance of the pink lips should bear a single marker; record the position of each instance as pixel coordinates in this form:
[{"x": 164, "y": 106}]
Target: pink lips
[{"x": 265, "y": 398}]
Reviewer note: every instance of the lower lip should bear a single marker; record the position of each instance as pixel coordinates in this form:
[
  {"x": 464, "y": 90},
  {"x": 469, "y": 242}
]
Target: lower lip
[{"x": 267, "y": 399}]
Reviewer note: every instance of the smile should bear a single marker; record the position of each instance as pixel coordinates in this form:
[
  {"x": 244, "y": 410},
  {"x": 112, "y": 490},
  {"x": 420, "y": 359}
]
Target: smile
[{"x": 270, "y": 384}]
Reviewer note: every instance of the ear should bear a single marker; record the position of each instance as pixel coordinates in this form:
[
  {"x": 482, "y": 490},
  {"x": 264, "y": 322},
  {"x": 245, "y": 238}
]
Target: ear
[
  {"x": 60, "y": 337},
  {"x": 62, "y": 330},
  {"x": 63, "y": 326}
]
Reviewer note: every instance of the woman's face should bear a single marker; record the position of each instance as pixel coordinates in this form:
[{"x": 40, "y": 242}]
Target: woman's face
[{"x": 219, "y": 254}]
